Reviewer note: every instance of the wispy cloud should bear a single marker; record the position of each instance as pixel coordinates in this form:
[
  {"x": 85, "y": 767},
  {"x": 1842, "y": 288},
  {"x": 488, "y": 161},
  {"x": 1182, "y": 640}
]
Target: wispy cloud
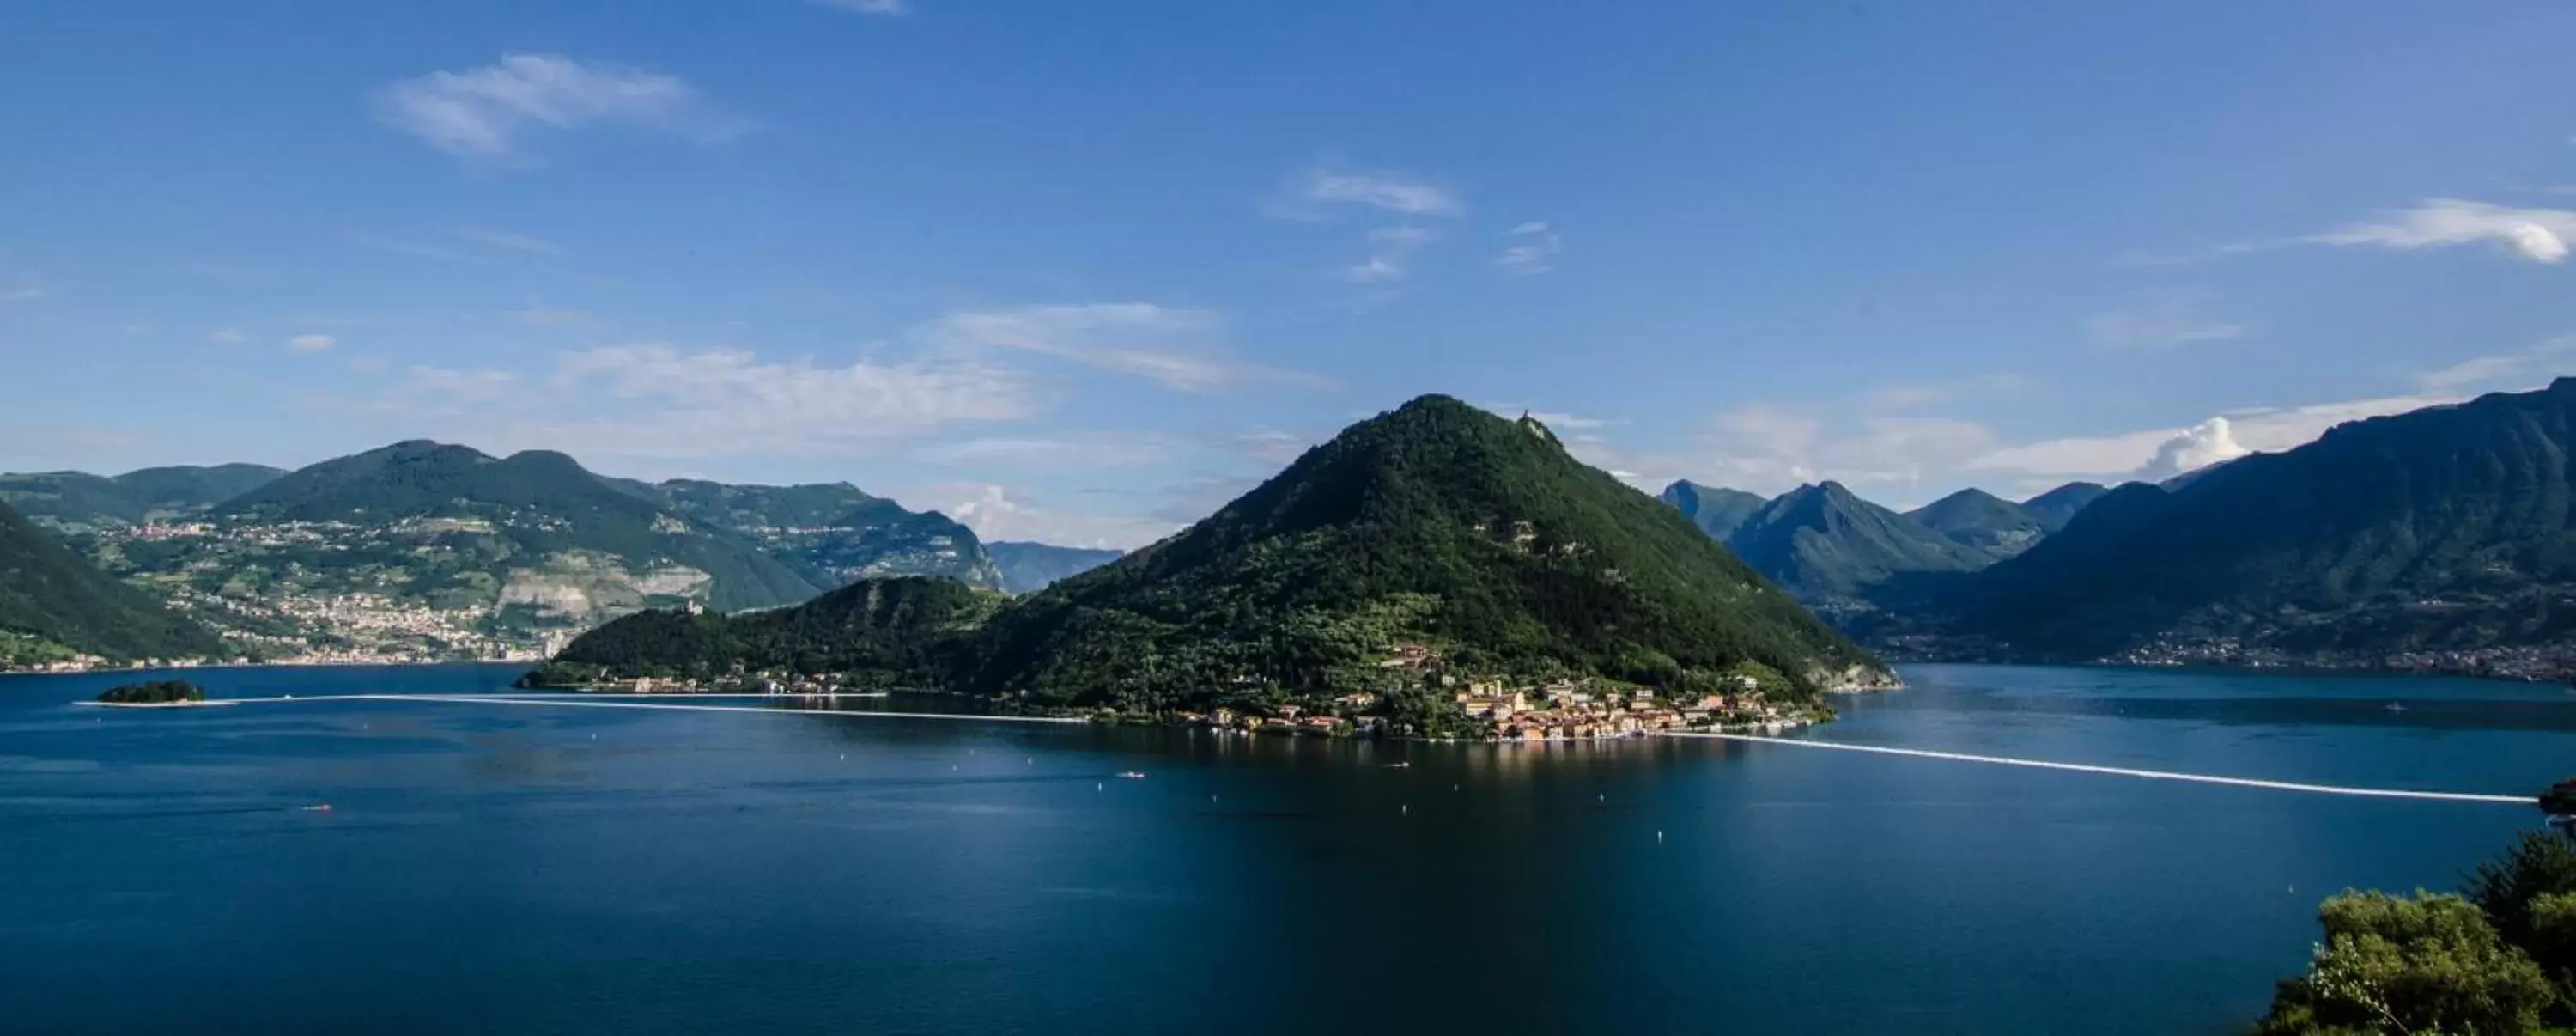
[
  {"x": 2538, "y": 235},
  {"x": 311, "y": 343},
  {"x": 1534, "y": 251},
  {"x": 226, "y": 336},
  {"x": 29, "y": 293},
  {"x": 999, "y": 512},
  {"x": 2500, "y": 370},
  {"x": 513, "y": 242},
  {"x": 1392, "y": 192},
  {"x": 482, "y": 114},
  {"x": 1913, "y": 394},
  {"x": 1388, "y": 249},
  {"x": 2161, "y": 326},
  {"x": 1159, "y": 343},
  {"x": 880, "y": 8}
]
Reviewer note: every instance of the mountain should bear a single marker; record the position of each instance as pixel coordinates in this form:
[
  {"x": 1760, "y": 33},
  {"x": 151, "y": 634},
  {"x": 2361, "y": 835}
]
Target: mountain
[
  {"x": 533, "y": 528},
  {"x": 1978, "y": 519},
  {"x": 2447, "y": 528},
  {"x": 51, "y": 600},
  {"x": 1436, "y": 527},
  {"x": 1717, "y": 511},
  {"x": 1829, "y": 547},
  {"x": 2052, "y": 509},
  {"x": 1029, "y": 567},
  {"x": 832, "y": 534},
  {"x": 902, "y": 631},
  {"x": 80, "y": 498}
]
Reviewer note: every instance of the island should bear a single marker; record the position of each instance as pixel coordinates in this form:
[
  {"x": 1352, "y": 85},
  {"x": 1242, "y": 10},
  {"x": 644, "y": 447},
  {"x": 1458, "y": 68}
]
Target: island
[
  {"x": 1435, "y": 572},
  {"x": 154, "y": 692}
]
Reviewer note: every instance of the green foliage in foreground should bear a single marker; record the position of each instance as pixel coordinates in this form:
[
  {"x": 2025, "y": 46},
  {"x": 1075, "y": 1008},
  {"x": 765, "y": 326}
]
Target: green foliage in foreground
[
  {"x": 2500, "y": 960},
  {"x": 156, "y": 692}
]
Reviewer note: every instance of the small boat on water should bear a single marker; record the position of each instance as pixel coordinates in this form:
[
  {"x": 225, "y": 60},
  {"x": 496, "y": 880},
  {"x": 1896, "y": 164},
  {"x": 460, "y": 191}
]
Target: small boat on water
[
  {"x": 2396, "y": 706},
  {"x": 1406, "y": 765},
  {"x": 1132, "y": 775},
  {"x": 318, "y": 807}
]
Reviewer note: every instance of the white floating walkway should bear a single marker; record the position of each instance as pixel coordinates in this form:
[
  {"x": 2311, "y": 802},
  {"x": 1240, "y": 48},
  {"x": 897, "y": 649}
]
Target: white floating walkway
[
  {"x": 2122, "y": 771},
  {"x": 585, "y": 702}
]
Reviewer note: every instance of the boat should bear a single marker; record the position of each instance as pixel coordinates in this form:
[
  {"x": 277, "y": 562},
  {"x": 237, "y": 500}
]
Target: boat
[
  {"x": 2396, "y": 707},
  {"x": 1132, "y": 775},
  {"x": 318, "y": 807},
  {"x": 1406, "y": 765}
]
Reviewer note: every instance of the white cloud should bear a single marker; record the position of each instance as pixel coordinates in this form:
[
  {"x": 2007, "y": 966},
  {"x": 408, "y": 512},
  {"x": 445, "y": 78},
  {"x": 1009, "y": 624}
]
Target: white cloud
[
  {"x": 882, "y": 8},
  {"x": 480, "y": 114},
  {"x": 226, "y": 336},
  {"x": 2199, "y": 446},
  {"x": 2539, "y": 235},
  {"x": 2158, "y": 327},
  {"x": 311, "y": 343},
  {"x": 1388, "y": 247},
  {"x": 663, "y": 402},
  {"x": 1155, "y": 342},
  {"x": 1053, "y": 453},
  {"x": 1534, "y": 253},
  {"x": 514, "y": 242},
  {"x": 1393, "y": 192},
  {"x": 1000, "y": 513}
]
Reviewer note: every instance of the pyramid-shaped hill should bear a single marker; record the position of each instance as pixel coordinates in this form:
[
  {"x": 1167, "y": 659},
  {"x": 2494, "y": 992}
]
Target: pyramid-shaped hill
[{"x": 1436, "y": 523}]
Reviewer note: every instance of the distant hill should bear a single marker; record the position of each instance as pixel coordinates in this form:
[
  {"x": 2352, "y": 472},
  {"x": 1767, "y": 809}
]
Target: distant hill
[
  {"x": 535, "y": 527},
  {"x": 1029, "y": 567},
  {"x": 1437, "y": 523},
  {"x": 2449, "y": 527},
  {"x": 50, "y": 596},
  {"x": 1717, "y": 511},
  {"x": 2052, "y": 509},
  {"x": 1978, "y": 519},
  {"x": 80, "y": 498},
  {"x": 832, "y": 534},
  {"x": 1830, "y": 547}
]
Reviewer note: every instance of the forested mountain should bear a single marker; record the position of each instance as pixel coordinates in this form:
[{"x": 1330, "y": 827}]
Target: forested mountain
[
  {"x": 1830, "y": 547},
  {"x": 2054, "y": 508},
  {"x": 833, "y": 533},
  {"x": 53, "y": 602},
  {"x": 1980, "y": 520},
  {"x": 80, "y": 498},
  {"x": 902, "y": 631},
  {"x": 1436, "y": 524},
  {"x": 1029, "y": 567},
  {"x": 552, "y": 535},
  {"x": 2450, "y": 527},
  {"x": 1716, "y": 510}
]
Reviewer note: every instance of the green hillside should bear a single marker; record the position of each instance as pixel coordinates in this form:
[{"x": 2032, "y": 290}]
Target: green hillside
[
  {"x": 1436, "y": 524},
  {"x": 1717, "y": 511},
  {"x": 51, "y": 596},
  {"x": 516, "y": 513},
  {"x": 1978, "y": 519},
  {"x": 2053, "y": 509},
  {"x": 2451, "y": 527},
  {"x": 80, "y": 498},
  {"x": 833, "y": 534},
  {"x": 1831, "y": 547}
]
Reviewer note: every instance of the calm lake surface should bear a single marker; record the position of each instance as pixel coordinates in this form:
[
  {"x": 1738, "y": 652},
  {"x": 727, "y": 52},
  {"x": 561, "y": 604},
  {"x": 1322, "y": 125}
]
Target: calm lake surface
[{"x": 504, "y": 868}]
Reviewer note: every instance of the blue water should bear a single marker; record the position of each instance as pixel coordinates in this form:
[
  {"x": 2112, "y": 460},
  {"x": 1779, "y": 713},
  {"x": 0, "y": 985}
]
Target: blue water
[{"x": 501, "y": 868}]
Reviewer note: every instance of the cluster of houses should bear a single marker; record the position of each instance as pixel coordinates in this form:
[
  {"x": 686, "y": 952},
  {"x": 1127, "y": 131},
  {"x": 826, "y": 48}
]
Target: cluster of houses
[{"x": 1557, "y": 710}]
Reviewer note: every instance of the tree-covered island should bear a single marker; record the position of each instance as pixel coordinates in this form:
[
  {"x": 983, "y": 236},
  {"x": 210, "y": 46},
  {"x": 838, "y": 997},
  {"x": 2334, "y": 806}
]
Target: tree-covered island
[
  {"x": 154, "y": 692},
  {"x": 1436, "y": 571}
]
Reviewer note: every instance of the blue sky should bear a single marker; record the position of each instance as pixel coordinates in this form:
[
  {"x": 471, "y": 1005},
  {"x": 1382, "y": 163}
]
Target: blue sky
[{"x": 1080, "y": 272}]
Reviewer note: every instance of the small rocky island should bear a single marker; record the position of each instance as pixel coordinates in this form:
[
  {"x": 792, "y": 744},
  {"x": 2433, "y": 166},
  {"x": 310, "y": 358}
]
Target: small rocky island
[{"x": 155, "y": 692}]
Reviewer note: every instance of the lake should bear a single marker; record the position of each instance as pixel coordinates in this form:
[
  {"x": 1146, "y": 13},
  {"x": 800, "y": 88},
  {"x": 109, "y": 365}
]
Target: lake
[{"x": 488, "y": 867}]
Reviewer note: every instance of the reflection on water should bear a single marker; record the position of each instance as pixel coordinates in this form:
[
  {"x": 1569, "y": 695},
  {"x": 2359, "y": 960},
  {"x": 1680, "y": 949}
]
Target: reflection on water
[{"x": 584, "y": 869}]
